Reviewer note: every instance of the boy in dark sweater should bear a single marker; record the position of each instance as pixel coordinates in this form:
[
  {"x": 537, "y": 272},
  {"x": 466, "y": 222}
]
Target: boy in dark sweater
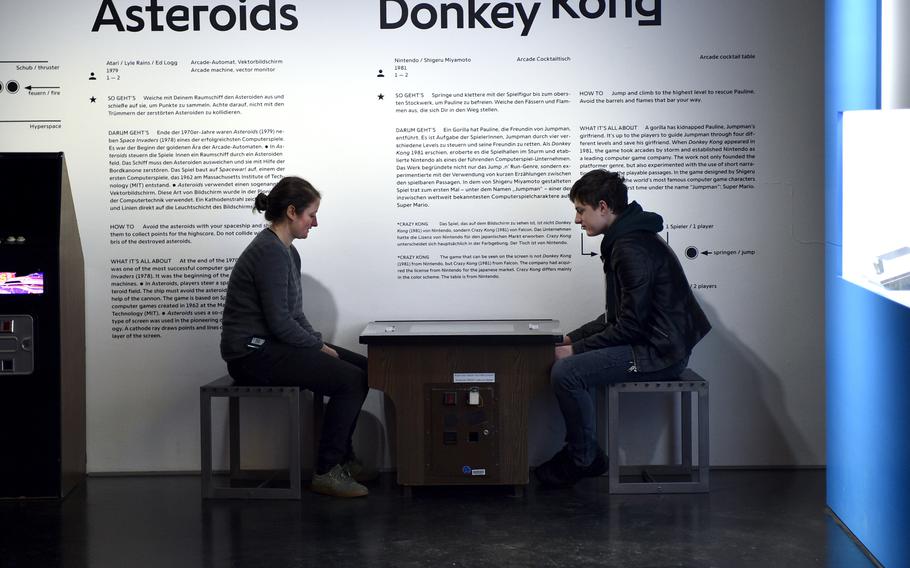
[{"x": 648, "y": 329}]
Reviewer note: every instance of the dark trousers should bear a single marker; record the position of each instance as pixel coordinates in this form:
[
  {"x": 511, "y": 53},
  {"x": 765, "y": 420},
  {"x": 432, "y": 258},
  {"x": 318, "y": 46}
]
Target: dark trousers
[
  {"x": 573, "y": 380},
  {"x": 343, "y": 380}
]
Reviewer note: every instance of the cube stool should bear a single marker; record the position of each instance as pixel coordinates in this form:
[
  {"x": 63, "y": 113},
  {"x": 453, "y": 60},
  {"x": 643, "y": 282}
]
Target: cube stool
[
  {"x": 686, "y": 477},
  {"x": 242, "y": 484}
]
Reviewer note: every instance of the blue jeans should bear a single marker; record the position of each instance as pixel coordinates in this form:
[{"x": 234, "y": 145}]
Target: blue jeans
[{"x": 574, "y": 380}]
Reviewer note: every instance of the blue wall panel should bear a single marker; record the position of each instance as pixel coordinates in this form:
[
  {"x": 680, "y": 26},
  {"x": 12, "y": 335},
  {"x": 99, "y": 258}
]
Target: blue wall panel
[
  {"x": 869, "y": 418},
  {"x": 852, "y": 82},
  {"x": 867, "y": 336}
]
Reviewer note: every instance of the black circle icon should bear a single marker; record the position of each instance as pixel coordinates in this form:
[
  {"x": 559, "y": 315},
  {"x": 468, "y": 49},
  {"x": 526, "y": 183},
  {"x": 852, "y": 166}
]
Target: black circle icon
[
  {"x": 691, "y": 252},
  {"x": 12, "y": 87}
]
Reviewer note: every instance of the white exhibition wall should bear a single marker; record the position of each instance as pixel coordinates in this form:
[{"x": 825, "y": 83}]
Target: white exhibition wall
[{"x": 444, "y": 148}]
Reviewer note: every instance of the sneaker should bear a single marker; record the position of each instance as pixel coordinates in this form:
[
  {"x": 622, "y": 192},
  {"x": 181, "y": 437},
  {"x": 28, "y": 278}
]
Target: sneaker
[
  {"x": 562, "y": 456},
  {"x": 598, "y": 467},
  {"x": 561, "y": 470},
  {"x": 358, "y": 470},
  {"x": 337, "y": 482},
  {"x": 558, "y": 471}
]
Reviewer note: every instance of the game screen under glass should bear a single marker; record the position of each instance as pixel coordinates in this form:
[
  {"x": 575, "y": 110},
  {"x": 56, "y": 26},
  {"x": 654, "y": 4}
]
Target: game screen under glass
[{"x": 11, "y": 283}]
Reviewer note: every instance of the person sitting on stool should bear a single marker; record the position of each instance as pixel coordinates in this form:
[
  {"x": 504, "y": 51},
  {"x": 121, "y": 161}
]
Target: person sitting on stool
[
  {"x": 652, "y": 320},
  {"x": 267, "y": 340}
]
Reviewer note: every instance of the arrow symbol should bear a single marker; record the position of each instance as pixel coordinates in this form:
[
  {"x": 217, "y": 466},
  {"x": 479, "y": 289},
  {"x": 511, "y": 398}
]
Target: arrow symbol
[
  {"x": 706, "y": 252},
  {"x": 29, "y": 88},
  {"x": 583, "y": 246}
]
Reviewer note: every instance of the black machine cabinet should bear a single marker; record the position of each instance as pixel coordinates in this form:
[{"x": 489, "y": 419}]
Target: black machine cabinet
[{"x": 42, "y": 330}]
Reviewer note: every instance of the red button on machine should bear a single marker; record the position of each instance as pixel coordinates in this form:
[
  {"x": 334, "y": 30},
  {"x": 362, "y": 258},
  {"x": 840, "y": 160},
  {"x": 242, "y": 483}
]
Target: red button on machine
[{"x": 449, "y": 399}]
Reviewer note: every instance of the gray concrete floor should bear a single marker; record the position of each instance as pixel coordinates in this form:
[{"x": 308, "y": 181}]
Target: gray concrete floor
[{"x": 750, "y": 518}]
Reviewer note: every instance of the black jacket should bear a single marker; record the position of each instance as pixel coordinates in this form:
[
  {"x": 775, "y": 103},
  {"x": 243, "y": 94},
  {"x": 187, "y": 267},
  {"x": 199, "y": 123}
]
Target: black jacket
[{"x": 650, "y": 304}]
